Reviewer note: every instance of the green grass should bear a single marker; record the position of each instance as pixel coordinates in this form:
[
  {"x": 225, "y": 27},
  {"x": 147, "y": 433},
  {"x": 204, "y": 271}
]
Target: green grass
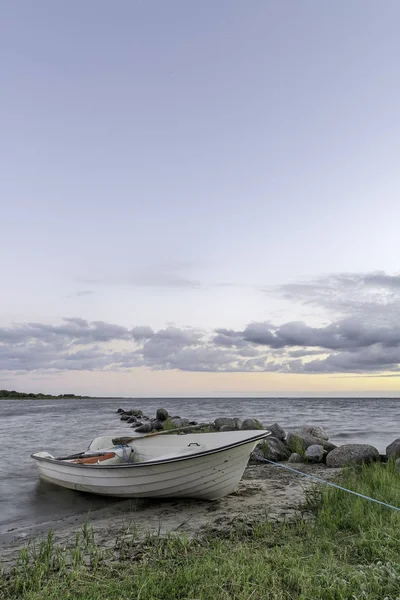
[
  {"x": 297, "y": 445},
  {"x": 350, "y": 550}
]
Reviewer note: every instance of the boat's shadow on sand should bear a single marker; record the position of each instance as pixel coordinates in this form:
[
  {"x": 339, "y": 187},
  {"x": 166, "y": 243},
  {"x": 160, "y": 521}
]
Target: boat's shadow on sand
[{"x": 56, "y": 502}]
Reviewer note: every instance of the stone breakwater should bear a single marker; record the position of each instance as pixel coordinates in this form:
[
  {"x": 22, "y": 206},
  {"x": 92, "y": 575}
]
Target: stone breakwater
[{"x": 309, "y": 444}]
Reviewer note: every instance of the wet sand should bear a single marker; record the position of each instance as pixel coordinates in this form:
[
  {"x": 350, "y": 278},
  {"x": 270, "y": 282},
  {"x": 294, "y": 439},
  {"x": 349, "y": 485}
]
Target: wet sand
[{"x": 264, "y": 492}]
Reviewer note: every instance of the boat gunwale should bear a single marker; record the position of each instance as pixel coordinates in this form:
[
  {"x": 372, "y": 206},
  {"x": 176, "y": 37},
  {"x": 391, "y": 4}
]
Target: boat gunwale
[{"x": 148, "y": 463}]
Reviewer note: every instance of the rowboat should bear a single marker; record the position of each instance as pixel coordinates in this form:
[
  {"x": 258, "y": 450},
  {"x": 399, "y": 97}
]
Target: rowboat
[{"x": 195, "y": 465}]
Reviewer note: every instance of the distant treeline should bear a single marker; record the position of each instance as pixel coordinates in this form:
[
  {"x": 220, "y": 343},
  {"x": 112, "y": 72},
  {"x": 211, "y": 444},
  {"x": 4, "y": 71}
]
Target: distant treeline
[{"x": 14, "y": 394}]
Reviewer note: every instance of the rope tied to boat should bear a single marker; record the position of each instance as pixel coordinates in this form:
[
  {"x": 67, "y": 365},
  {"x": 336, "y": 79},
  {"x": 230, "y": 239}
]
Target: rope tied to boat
[{"x": 319, "y": 480}]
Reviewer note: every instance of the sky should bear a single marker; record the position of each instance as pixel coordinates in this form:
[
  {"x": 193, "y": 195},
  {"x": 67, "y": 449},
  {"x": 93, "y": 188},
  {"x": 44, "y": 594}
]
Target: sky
[{"x": 200, "y": 198}]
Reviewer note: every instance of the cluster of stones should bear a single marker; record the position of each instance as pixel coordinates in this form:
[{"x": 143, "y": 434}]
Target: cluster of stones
[
  {"x": 309, "y": 444},
  {"x": 144, "y": 424},
  {"x": 227, "y": 424}
]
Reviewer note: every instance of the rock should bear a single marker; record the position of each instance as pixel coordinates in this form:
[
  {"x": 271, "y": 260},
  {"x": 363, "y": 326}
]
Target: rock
[
  {"x": 397, "y": 464},
  {"x": 162, "y": 414},
  {"x": 301, "y": 441},
  {"x": 125, "y": 417},
  {"x": 156, "y": 424},
  {"x": 295, "y": 458},
  {"x": 316, "y": 431},
  {"x": 132, "y": 420},
  {"x": 393, "y": 450},
  {"x": 251, "y": 424},
  {"x": 120, "y": 410},
  {"x": 226, "y": 428},
  {"x": 145, "y": 428},
  {"x": 274, "y": 449},
  {"x": 257, "y": 455},
  {"x": 315, "y": 453},
  {"x": 193, "y": 423},
  {"x": 277, "y": 431},
  {"x": 351, "y": 454},
  {"x": 238, "y": 423},
  {"x": 179, "y": 422},
  {"x": 134, "y": 412},
  {"x": 225, "y": 422}
]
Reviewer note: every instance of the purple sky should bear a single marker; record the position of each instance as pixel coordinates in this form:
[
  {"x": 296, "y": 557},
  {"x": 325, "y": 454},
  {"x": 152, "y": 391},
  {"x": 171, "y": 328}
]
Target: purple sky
[{"x": 209, "y": 166}]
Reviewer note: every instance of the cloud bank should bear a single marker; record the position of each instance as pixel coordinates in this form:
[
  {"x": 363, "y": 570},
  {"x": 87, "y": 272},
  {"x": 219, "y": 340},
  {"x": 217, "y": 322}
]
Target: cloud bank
[{"x": 361, "y": 336}]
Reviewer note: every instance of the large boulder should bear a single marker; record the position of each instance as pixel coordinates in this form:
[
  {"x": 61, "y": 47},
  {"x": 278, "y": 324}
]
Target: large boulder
[
  {"x": 145, "y": 428},
  {"x": 316, "y": 431},
  {"x": 225, "y": 428},
  {"x": 274, "y": 449},
  {"x": 295, "y": 458},
  {"x": 257, "y": 455},
  {"x": 162, "y": 414},
  {"x": 277, "y": 431},
  {"x": 238, "y": 423},
  {"x": 135, "y": 412},
  {"x": 120, "y": 411},
  {"x": 299, "y": 442},
  {"x": 249, "y": 424},
  {"x": 351, "y": 454},
  {"x": 393, "y": 450},
  {"x": 125, "y": 417},
  {"x": 315, "y": 453},
  {"x": 228, "y": 424}
]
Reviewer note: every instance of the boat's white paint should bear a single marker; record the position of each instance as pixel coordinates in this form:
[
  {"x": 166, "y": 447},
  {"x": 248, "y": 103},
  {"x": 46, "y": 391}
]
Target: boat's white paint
[{"x": 168, "y": 466}]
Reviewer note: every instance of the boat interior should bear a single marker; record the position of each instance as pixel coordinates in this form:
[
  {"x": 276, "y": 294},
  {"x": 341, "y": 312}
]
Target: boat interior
[{"x": 113, "y": 450}]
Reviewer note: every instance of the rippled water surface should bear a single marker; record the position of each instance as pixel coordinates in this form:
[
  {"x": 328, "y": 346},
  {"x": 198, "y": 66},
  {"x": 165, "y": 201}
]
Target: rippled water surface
[{"x": 60, "y": 427}]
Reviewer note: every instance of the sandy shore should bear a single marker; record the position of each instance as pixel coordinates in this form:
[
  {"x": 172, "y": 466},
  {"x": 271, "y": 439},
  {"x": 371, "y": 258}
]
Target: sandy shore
[{"x": 265, "y": 491}]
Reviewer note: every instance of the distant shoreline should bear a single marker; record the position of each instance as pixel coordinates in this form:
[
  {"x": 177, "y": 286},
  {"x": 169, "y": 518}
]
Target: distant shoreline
[{"x": 14, "y": 395}]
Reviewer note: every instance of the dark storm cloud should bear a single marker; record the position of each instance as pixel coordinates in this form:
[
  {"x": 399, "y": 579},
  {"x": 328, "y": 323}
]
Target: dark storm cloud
[
  {"x": 40, "y": 357},
  {"x": 361, "y": 336},
  {"x": 228, "y": 338},
  {"x": 372, "y": 296},
  {"x": 142, "y": 333},
  {"x": 77, "y": 344},
  {"x": 375, "y": 358},
  {"x": 72, "y": 329},
  {"x": 342, "y": 347},
  {"x": 347, "y": 334}
]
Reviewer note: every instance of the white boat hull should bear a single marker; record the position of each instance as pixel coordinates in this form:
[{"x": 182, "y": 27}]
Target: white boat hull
[{"x": 207, "y": 474}]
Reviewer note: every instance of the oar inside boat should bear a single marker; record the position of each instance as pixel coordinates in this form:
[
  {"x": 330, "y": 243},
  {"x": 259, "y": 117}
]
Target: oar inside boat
[
  {"x": 126, "y": 439},
  {"x": 117, "y": 454}
]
